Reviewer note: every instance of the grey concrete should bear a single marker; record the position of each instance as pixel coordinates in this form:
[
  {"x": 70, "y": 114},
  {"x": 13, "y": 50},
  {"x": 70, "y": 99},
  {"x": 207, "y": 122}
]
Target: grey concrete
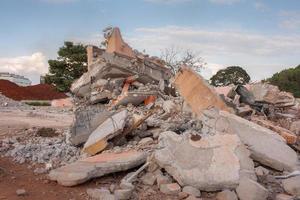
[
  {"x": 292, "y": 185},
  {"x": 266, "y": 146},
  {"x": 96, "y": 166},
  {"x": 226, "y": 195},
  {"x": 214, "y": 162},
  {"x": 251, "y": 190}
]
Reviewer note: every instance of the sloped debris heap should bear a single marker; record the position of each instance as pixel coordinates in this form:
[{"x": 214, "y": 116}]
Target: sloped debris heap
[{"x": 189, "y": 141}]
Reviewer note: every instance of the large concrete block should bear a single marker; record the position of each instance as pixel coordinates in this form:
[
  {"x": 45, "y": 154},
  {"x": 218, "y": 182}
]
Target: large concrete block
[
  {"x": 251, "y": 190},
  {"x": 266, "y": 146},
  {"x": 111, "y": 127},
  {"x": 197, "y": 92},
  {"x": 214, "y": 162},
  {"x": 97, "y": 166},
  {"x": 86, "y": 120}
]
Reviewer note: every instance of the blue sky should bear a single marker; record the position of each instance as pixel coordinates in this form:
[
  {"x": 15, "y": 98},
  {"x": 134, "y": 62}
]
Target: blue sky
[{"x": 263, "y": 36}]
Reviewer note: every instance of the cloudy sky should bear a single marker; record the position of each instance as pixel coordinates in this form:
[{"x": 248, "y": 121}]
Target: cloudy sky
[{"x": 262, "y": 36}]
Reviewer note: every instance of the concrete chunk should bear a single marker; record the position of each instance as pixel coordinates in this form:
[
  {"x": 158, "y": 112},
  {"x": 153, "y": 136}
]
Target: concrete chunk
[
  {"x": 251, "y": 190},
  {"x": 86, "y": 120},
  {"x": 210, "y": 164},
  {"x": 97, "y": 166},
  {"x": 266, "y": 146},
  {"x": 226, "y": 195},
  {"x": 197, "y": 92},
  {"x": 292, "y": 185},
  {"x": 107, "y": 130}
]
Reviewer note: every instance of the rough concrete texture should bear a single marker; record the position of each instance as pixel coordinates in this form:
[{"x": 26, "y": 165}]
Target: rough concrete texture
[
  {"x": 123, "y": 194},
  {"x": 292, "y": 185},
  {"x": 107, "y": 130},
  {"x": 191, "y": 191},
  {"x": 226, "y": 195},
  {"x": 100, "y": 194},
  {"x": 295, "y": 127},
  {"x": 96, "y": 166},
  {"x": 171, "y": 188},
  {"x": 266, "y": 146},
  {"x": 284, "y": 197},
  {"x": 251, "y": 190},
  {"x": 86, "y": 120},
  {"x": 187, "y": 82},
  {"x": 214, "y": 162}
]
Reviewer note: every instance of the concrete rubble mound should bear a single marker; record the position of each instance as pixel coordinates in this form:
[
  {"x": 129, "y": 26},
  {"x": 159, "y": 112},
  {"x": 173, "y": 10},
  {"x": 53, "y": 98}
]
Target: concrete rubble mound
[{"x": 174, "y": 134}]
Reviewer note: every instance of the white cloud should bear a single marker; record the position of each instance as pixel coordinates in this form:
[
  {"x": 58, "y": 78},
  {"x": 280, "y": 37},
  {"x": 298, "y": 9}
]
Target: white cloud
[
  {"x": 261, "y": 55},
  {"x": 290, "y": 20},
  {"x": 31, "y": 66}
]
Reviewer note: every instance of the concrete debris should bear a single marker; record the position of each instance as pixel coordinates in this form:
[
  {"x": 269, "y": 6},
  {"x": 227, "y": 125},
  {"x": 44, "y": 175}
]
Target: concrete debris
[
  {"x": 97, "y": 166},
  {"x": 100, "y": 194},
  {"x": 204, "y": 157},
  {"x": 292, "y": 185},
  {"x": 171, "y": 188},
  {"x": 187, "y": 82},
  {"x": 175, "y": 133},
  {"x": 265, "y": 146},
  {"x": 111, "y": 127},
  {"x": 284, "y": 197},
  {"x": 21, "y": 192},
  {"x": 251, "y": 190},
  {"x": 226, "y": 195},
  {"x": 191, "y": 191}
]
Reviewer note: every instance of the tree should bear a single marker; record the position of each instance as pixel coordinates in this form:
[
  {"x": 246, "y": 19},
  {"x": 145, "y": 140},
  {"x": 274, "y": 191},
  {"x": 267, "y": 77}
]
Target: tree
[
  {"x": 175, "y": 58},
  {"x": 70, "y": 64},
  {"x": 287, "y": 80},
  {"x": 231, "y": 75}
]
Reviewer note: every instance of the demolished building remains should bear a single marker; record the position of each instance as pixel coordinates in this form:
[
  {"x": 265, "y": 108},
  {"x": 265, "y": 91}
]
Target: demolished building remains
[{"x": 188, "y": 140}]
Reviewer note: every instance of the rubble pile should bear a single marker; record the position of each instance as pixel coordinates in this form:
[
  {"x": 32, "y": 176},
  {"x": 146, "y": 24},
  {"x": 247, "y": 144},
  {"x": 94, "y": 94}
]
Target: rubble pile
[
  {"x": 7, "y": 102},
  {"x": 188, "y": 141},
  {"x": 52, "y": 151}
]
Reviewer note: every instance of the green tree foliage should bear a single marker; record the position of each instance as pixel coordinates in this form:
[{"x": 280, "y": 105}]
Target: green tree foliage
[
  {"x": 231, "y": 75},
  {"x": 70, "y": 64},
  {"x": 287, "y": 80}
]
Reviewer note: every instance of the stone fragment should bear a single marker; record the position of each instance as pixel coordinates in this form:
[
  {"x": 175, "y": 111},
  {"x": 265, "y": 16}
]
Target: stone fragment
[
  {"x": 148, "y": 179},
  {"x": 146, "y": 141},
  {"x": 226, "y": 195},
  {"x": 100, "y": 194},
  {"x": 111, "y": 127},
  {"x": 265, "y": 146},
  {"x": 284, "y": 197},
  {"x": 126, "y": 185},
  {"x": 261, "y": 171},
  {"x": 292, "y": 185},
  {"x": 171, "y": 188},
  {"x": 21, "y": 192},
  {"x": 161, "y": 179},
  {"x": 97, "y": 166},
  {"x": 193, "y": 198},
  {"x": 182, "y": 195},
  {"x": 187, "y": 82},
  {"x": 295, "y": 127},
  {"x": 214, "y": 162},
  {"x": 123, "y": 194},
  {"x": 86, "y": 120},
  {"x": 169, "y": 106},
  {"x": 191, "y": 191},
  {"x": 251, "y": 190}
]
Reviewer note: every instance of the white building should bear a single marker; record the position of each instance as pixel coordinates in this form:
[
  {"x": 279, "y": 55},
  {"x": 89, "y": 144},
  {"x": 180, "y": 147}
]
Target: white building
[{"x": 17, "y": 79}]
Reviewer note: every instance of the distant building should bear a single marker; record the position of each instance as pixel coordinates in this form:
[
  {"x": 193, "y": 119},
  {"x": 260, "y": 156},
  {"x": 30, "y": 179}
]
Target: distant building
[
  {"x": 17, "y": 79},
  {"x": 42, "y": 79}
]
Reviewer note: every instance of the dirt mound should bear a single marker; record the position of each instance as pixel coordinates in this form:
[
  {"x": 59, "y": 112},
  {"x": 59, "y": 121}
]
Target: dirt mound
[{"x": 35, "y": 92}]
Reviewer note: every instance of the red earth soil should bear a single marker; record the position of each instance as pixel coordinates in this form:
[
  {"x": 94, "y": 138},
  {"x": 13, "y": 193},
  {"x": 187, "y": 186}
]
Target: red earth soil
[{"x": 34, "y": 92}]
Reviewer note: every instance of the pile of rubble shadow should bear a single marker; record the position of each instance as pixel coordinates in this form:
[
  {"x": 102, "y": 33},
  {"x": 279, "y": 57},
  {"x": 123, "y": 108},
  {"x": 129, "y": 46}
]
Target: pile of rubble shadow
[{"x": 178, "y": 134}]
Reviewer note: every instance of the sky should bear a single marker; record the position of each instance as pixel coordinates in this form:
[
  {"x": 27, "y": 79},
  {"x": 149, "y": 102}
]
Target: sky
[{"x": 262, "y": 36}]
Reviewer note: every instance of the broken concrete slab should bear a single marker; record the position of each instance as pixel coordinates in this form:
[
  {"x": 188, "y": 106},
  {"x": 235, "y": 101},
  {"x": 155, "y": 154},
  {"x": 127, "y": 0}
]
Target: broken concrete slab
[
  {"x": 226, "y": 195},
  {"x": 97, "y": 166},
  {"x": 111, "y": 127},
  {"x": 214, "y": 162},
  {"x": 100, "y": 194},
  {"x": 197, "y": 92},
  {"x": 171, "y": 188},
  {"x": 289, "y": 136},
  {"x": 251, "y": 190},
  {"x": 86, "y": 120},
  {"x": 292, "y": 185},
  {"x": 266, "y": 146}
]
